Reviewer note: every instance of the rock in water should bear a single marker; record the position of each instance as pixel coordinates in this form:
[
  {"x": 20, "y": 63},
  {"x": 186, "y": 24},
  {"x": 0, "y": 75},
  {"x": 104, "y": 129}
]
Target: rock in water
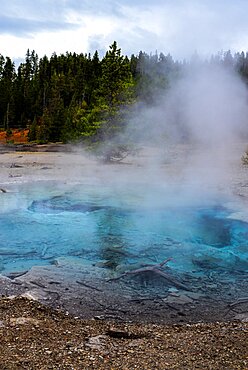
[{"x": 63, "y": 204}]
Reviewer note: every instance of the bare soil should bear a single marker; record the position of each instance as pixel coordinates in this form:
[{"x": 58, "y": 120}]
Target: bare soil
[{"x": 33, "y": 336}]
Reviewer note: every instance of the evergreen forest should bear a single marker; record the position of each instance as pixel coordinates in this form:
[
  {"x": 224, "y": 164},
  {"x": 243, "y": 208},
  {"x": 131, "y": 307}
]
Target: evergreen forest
[{"x": 73, "y": 97}]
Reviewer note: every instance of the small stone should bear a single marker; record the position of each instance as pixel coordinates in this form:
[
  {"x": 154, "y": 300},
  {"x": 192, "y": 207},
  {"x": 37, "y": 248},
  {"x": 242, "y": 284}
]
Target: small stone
[
  {"x": 96, "y": 342},
  {"x": 24, "y": 320},
  {"x": 99, "y": 317}
]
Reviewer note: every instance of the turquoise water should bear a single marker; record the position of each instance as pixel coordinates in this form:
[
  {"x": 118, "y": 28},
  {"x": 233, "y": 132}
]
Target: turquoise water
[{"x": 118, "y": 228}]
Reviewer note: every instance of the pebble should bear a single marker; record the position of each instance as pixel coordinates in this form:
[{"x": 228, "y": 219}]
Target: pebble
[{"x": 97, "y": 342}]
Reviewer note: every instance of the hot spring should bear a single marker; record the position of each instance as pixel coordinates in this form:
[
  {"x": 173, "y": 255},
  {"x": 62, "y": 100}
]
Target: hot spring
[{"x": 120, "y": 229}]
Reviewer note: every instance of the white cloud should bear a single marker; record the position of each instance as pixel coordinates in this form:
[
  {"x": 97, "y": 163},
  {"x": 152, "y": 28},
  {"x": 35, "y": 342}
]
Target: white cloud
[{"x": 176, "y": 27}]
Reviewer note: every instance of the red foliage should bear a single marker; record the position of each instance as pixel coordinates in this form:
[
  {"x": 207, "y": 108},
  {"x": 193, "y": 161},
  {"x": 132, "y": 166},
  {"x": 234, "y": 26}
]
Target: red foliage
[{"x": 18, "y": 136}]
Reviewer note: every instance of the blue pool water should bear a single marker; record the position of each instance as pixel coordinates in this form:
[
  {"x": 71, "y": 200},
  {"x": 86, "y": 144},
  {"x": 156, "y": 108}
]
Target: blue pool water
[{"x": 117, "y": 229}]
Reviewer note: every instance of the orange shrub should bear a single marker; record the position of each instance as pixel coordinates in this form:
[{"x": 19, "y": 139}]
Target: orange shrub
[{"x": 18, "y": 136}]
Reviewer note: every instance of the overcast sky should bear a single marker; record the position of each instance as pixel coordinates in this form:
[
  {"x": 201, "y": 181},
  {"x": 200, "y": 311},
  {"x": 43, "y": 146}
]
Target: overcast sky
[{"x": 178, "y": 27}]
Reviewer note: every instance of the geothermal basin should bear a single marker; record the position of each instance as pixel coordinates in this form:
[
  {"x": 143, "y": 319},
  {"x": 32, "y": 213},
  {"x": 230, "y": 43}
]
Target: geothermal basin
[{"x": 91, "y": 239}]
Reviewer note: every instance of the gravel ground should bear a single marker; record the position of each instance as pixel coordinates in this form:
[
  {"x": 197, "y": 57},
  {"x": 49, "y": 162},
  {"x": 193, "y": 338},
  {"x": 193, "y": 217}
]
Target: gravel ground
[{"x": 33, "y": 336}]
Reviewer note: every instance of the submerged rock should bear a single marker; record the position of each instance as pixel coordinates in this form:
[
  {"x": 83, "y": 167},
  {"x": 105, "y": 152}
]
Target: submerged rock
[
  {"x": 63, "y": 204},
  {"x": 220, "y": 260}
]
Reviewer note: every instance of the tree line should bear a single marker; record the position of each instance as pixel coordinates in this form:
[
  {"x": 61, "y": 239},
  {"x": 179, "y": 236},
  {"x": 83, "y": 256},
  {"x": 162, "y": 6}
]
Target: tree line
[{"x": 76, "y": 96}]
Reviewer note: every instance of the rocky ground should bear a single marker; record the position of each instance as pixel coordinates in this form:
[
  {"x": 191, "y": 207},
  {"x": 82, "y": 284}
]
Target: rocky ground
[
  {"x": 36, "y": 337},
  {"x": 71, "y": 318}
]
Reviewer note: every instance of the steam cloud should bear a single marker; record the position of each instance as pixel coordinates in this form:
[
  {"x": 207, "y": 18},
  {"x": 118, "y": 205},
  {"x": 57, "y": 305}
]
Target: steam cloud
[
  {"x": 191, "y": 139},
  {"x": 206, "y": 112}
]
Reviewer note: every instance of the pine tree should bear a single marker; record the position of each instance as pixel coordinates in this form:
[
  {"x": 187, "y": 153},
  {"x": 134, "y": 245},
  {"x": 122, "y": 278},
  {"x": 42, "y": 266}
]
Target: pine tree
[{"x": 6, "y": 94}]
